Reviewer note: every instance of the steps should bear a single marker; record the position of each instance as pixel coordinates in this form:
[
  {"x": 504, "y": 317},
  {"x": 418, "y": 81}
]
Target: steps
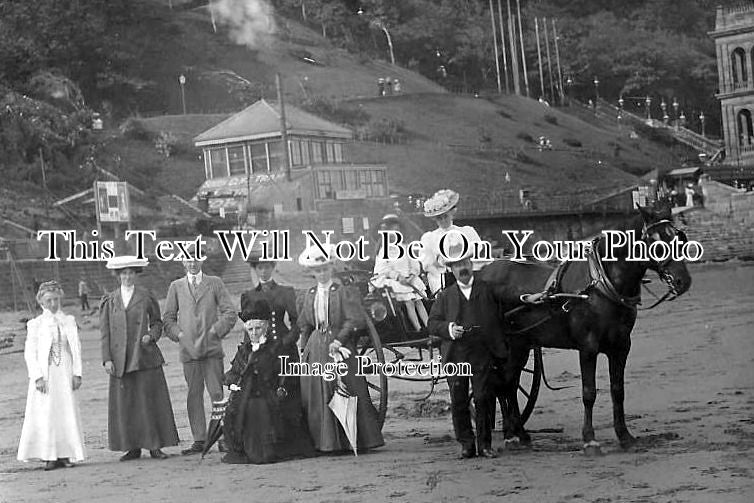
[{"x": 722, "y": 236}]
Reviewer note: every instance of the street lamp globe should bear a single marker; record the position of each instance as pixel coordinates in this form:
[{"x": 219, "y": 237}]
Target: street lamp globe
[{"x": 182, "y": 79}]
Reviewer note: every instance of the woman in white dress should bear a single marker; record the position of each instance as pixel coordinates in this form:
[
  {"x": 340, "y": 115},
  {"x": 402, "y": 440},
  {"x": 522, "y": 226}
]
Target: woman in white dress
[
  {"x": 52, "y": 423},
  {"x": 402, "y": 276},
  {"x": 441, "y": 207}
]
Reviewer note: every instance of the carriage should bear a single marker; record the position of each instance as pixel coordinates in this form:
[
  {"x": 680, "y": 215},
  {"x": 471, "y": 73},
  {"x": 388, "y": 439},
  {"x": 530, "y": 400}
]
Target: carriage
[{"x": 389, "y": 338}]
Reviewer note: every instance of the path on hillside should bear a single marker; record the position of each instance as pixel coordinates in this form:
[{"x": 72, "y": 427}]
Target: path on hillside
[{"x": 690, "y": 384}]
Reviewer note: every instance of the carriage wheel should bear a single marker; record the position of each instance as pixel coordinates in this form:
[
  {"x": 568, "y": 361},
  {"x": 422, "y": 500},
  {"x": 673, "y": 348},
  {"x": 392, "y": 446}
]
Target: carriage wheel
[
  {"x": 528, "y": 386},
  {"x": 377, "y": 384}
]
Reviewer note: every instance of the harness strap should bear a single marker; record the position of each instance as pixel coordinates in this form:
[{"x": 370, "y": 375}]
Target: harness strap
[{"x": 602, "y": 282}]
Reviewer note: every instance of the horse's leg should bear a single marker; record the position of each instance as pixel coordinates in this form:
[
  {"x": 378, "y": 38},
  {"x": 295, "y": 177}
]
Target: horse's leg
[
  {"x": 617, "y": 364},
  {"x": 588, "y": 363}
]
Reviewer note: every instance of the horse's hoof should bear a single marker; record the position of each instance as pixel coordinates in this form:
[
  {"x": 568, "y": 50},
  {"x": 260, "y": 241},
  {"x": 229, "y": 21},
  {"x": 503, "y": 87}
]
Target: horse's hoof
[
  {"x": 627, "y": 441},
  {"x": 592, "y": 448}
]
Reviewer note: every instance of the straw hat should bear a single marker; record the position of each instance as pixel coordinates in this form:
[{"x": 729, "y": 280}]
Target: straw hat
[
  {"x": 313, "y": 256},
  {"x": 126, "y": 262},
  {"x": 440, "y": 203}
]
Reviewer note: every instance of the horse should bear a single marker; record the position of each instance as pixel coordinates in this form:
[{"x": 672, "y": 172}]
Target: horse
[{"x": 598, "y": 318}]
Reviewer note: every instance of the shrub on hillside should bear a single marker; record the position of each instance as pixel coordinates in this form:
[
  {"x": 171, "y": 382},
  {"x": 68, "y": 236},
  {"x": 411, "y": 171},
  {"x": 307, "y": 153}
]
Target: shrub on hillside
[
  {"x": 134, "y": 129},
  {"x": 525, "y": 136},
  {"x": 335, "y": 111},
  {"x": 551, "y": 119},
  {"x": 572, "y": 142},
  {"x": 167, "y": 144}
]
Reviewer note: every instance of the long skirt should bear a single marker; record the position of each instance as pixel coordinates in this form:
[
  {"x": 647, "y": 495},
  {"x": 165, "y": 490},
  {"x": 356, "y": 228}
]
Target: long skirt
[
  {"x": 140, "y": 415},
  {"x": 265, "y": 428},
  {"x": 326, "y": 431},
  {"x": 52, "y": 424}
]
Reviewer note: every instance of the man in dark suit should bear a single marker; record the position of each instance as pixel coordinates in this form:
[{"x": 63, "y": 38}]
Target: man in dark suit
[{"x": 466, "y": 317}]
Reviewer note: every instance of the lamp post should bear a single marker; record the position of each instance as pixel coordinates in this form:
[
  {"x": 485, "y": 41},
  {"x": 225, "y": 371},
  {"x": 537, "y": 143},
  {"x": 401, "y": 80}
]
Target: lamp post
[
  {"x": 702, "y": 119},
  {"x": 648, "y": 102},
  {"x": 675, "y": 112},
  {"x": 182, "y": 82},
  {"x": 620, "y": 110},
  {"x": 664, "y": 108},
  {"x": 596, "y": 90},
  {"x": 682, "y": 118},
  {"x": 569, "y": 85}
]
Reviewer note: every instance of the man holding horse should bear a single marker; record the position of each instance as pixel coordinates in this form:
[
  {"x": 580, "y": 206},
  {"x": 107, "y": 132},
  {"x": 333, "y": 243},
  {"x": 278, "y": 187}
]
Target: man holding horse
[{"x": 465, "y": 316}]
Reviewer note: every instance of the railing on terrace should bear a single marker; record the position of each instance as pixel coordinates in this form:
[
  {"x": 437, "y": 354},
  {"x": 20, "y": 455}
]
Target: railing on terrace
[{"x": 538, "y": 203}]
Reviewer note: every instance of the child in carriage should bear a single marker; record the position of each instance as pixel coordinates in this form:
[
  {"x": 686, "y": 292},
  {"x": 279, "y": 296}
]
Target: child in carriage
[{"x": 401, "y": 275}]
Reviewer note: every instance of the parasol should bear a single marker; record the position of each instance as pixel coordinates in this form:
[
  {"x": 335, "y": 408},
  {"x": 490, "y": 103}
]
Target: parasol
[
  {"x": 343, "y": 405},
  {"x": 215, "y": 428}
]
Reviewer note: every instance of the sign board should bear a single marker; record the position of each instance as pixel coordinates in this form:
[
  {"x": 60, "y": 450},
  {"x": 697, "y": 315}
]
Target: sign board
[
  {"x": 111, "y": 199},
  {"x": 348, "y": 227},
  {"x": 351, "y": 194},
  {"x": 640, "y": 196}
]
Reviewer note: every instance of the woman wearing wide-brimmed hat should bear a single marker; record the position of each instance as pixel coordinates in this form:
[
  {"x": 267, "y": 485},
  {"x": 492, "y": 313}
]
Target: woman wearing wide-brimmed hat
[
  {"x": 441, "y": 207},
  {"x": 140, "y": 415},
  {"x": 52, "y": 423},
  {"x": 328, "y": 318}
]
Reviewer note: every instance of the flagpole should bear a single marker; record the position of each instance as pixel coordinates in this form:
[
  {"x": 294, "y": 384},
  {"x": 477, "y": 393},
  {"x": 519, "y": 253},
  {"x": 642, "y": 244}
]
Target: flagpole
[
  {"x": 497, "y": 56},
  {"x": 514, "y": 55},
  {"x": 549, "y": 66},
  {"x": 502, "y": 40},
  {"x": 557, "y": 58},
  {"x": 539, "y": 58},
  {"x": 523, "y": 53}
]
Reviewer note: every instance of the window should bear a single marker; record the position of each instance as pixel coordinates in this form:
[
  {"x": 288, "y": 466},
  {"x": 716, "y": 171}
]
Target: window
[
  {"x": 258, "y": 156},
  {"x": 305, "y": 157},
  {"x": 218, "y": 162},
  {"x": 277, "y": 208},
  {"x": 299, "y": 204},
  {"x": 324, "y": 185},
  {"x": 295, "y": 146},
  {"x": 330, "y": 148},
  {"x": 207, "y": 166},
  {"x": 236, "y": 161},
  {"x": 338, "y": 151},
  {"x": 317, "y": 153},
  {"x": 372, "y": 181},
  {"x": 348, "y": 225},
  {"x": 738, "y": 66},
  {"x": 275, "y": 152}
]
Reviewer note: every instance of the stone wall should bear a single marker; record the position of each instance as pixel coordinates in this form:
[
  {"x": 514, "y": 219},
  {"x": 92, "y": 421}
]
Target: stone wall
[{"x": 725, "y": 226}]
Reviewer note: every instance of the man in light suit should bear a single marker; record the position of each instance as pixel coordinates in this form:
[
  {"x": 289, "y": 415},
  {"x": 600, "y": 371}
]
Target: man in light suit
[{"x": 198, "y": 315}]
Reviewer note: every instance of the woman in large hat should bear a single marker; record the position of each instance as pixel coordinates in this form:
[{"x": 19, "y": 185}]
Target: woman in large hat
[
  {"x": 52, "y": 424},
  {"x": 329, "y": 318},
  {"x": 441, "y": 208},
  {"x": 140, "y": 415},
  {"x": 263, "y": 422}
]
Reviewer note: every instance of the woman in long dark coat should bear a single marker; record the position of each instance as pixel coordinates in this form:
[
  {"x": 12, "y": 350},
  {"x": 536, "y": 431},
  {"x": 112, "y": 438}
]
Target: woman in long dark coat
[
  {"x": 328, "y": 319},
  {"x": 263, "y": 423},
  {"x": 140, "y": 415}
]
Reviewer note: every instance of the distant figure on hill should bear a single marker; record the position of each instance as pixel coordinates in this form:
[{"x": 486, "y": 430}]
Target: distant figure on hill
[
  {"x": 84, "y": 294},
  {"x": 388, "y": 86},
  {"x": 380, "y": 87},
  {"x": 689, "y": 192},
  {"x": 397, "y": 86}
]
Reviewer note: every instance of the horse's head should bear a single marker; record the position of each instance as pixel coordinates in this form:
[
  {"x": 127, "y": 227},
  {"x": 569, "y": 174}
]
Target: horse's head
[{"x": 658, "y": 226}]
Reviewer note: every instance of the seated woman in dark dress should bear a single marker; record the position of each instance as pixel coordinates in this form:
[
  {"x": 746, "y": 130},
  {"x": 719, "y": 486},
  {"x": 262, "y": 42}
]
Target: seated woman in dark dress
[{"x": 262, "y": 422}]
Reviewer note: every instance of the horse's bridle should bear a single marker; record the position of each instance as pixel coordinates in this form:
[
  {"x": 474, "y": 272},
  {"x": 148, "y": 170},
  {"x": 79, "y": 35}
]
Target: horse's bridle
[{"x": 659, "y": 267}]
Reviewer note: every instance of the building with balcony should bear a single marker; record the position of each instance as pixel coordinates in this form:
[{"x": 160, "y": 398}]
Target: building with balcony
[
  {"x": 734, "y": 42},
  {"x": 247, "y": 179}
]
